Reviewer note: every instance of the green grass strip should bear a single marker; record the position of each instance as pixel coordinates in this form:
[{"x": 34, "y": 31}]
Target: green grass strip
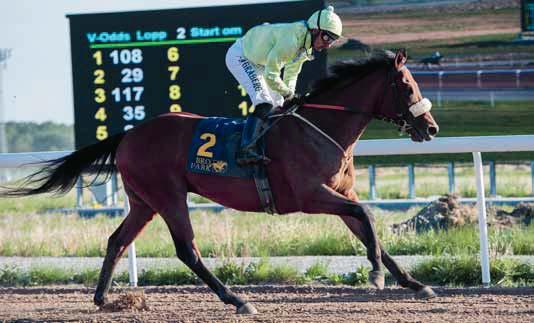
[
  {"x": 450, "y": 271},
  {"x": 237, "y": 234},
  {"x": 466, "y": 271}
]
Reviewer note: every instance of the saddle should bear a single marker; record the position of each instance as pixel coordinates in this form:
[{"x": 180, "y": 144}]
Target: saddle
[{"x": 213, "y": 149}]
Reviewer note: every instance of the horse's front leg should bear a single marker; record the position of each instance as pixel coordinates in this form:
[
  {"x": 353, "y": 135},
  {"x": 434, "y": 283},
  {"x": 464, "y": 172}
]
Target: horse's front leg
[
  {"x": 401, "y": 275},
  {"x": 179, "y": 224},
  {"x": 326, "y": 200}
]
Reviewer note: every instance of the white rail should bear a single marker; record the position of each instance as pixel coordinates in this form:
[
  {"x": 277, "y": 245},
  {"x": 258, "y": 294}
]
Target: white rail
[
  {"x": 474, "y": 145},
  {"x": 445, "y": 145}
]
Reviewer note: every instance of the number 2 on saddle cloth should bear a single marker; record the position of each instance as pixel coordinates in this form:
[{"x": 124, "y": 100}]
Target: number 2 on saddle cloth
[{"x": 214, "y": 146}]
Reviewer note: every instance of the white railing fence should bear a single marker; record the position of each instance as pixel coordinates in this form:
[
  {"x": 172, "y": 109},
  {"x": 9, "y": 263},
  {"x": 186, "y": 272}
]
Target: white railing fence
[{"x": 474, "y": 145}]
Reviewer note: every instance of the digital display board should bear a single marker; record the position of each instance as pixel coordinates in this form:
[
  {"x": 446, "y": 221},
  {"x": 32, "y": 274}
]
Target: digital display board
[
  {"x": 129, "y": 67},
  {"x": 527, "y": 15}
]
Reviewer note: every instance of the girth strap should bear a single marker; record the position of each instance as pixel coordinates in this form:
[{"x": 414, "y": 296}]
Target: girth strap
[
  {"x": 259, "y": 171},
  {"x": 264, "y": 189}
]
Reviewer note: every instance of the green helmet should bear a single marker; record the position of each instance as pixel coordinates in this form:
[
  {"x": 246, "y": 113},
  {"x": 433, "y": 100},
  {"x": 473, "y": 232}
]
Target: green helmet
[{"x": 326, "y": 19}]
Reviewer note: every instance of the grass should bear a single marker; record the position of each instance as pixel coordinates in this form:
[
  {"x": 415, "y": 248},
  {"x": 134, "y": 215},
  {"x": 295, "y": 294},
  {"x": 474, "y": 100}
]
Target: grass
[
  {"x": 459, "y": 271},
  {"x": 466, "y": 118},
  {"x": 458, "y": 119},
  {"x": 465, "y": 271},
  {"x": 513, "y": 180},
  {"x": 231, "y": 233},
  {"x": 27, "y": 229},
  {"x": 32, "y": 204},
  {"x": 461, "y": 241}
]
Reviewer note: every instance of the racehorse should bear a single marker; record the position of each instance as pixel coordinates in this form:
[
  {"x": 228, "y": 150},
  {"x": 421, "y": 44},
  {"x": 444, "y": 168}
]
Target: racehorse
[{"x": 311, "y": 168}]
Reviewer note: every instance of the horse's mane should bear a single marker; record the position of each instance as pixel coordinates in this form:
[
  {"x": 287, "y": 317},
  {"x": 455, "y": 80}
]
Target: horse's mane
[{"x": 353, "y": 69}]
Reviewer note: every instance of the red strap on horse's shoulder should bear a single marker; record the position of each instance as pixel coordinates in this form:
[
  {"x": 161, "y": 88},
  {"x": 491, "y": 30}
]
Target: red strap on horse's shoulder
[{"x": 325, "y": 106}]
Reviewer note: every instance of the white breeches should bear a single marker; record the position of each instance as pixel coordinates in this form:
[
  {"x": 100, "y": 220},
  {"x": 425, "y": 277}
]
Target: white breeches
[{"x": 250, "y": 76}]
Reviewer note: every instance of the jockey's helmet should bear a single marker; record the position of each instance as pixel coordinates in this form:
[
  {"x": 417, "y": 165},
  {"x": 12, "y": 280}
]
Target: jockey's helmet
[{"x": 326, "y": 19}]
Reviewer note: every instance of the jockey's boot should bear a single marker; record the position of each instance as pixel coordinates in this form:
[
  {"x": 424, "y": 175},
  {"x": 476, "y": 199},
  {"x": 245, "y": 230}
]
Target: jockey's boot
[{"x": 248, "y": 152}]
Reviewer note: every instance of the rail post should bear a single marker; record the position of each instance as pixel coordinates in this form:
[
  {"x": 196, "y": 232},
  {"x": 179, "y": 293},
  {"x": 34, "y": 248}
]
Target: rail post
[
  {"x": 372, "y": 183},
  {"x": 493, "y": 179},
  {"x": 132, "y": 258},
  {"x": 411, "y": 181},
  {"x": 482, "y": 226},
  {"x": 450, "y": 171},
  {"x": 79, "y": 192},
  {"x": 114, "y": 189}
]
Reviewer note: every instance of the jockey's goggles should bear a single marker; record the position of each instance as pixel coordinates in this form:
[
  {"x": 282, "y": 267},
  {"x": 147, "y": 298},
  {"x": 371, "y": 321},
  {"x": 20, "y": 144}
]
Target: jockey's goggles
[{"x": 328, "y": 36}]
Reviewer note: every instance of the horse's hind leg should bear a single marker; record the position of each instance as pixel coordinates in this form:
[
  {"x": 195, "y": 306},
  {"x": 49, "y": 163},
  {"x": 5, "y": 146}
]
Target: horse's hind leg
[
  {"x": 402, "y": 277},
  {"x": 182, "y": 234},
  {"x": 140, "y": 214}
]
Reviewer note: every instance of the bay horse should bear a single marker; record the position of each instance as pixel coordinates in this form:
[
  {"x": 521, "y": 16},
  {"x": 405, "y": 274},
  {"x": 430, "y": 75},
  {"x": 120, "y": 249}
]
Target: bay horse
[{"x": 311, "y": 168}]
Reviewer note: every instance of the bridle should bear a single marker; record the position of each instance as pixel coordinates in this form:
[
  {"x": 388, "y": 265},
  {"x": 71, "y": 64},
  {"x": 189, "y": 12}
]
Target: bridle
[{"x": 403, "y": 113}]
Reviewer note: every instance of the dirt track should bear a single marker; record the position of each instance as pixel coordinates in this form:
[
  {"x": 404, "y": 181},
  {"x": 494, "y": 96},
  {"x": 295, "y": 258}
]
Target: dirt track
[
  {"x": 437, "y": 21},
  {"x": 277, "y": 304}
]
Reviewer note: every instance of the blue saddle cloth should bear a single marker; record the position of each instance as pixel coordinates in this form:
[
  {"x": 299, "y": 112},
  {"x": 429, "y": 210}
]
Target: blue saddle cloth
[{"x": 214, "y": 146}]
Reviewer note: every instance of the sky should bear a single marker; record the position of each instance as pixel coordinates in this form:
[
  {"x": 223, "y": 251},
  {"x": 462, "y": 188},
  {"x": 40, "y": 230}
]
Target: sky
[{"x": 37, "y": 79}]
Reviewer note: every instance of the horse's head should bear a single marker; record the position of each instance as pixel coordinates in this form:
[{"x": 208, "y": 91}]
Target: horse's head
[
  {"x": 380, "y": 86},
  {"x": 404, "y": 104}
]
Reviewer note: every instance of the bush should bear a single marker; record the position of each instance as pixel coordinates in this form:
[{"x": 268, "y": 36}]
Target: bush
[
  {"x": 466, "y": 271},
  {"x": 359, "y": 277}
]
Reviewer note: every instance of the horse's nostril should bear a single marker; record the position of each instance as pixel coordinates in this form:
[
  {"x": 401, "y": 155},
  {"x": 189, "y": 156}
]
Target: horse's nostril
[{"x": 433, "y": 130}]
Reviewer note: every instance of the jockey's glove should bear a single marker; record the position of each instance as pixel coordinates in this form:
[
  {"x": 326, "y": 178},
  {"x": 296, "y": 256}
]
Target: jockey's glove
[{"x": 293, "y": 99}]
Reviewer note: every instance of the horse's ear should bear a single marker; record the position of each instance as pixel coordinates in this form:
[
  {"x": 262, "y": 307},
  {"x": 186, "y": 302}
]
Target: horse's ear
[{"x": 400, "y": 58}]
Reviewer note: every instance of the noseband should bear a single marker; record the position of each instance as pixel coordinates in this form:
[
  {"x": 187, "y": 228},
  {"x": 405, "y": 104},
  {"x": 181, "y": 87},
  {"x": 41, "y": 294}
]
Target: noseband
[{"x": 403, "y": 112}]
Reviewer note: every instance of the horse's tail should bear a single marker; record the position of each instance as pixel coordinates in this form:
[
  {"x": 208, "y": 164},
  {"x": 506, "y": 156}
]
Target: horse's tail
[{"x": 60, "y": 175}]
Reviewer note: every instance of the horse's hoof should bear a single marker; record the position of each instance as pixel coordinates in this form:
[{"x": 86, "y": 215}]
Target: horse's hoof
[
  {"x": 377, "y": 278},
  {"x": 425, "y": 293},
  {"x": 247, "y": 308},
  {"x": 99, "y": 300}
]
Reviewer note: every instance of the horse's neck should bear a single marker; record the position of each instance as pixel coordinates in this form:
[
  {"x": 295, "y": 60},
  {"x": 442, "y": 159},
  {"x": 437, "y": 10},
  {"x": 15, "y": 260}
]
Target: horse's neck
[
  {"x": 346, "y": 127},
  {"x": 343, "y": 126}
]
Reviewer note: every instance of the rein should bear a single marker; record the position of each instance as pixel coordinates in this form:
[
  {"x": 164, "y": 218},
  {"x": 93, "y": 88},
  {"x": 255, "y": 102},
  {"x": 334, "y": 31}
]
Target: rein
[
  {"x": 401, "y": 120},
  {"x": 401, "y": 123},
  {"x": 293, "y": 112}
]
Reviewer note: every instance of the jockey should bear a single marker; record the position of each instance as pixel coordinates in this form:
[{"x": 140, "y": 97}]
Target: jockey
[{"x": 256, "y": 60}]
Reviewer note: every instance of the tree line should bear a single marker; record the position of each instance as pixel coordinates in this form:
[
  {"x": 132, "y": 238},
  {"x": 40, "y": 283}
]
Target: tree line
[{"x": 32, "y": 136}]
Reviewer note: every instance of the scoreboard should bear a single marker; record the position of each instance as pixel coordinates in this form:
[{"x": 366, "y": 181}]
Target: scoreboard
[
  {"x": 129, "y": 67},
  {"x": 527, "y": 15}
]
